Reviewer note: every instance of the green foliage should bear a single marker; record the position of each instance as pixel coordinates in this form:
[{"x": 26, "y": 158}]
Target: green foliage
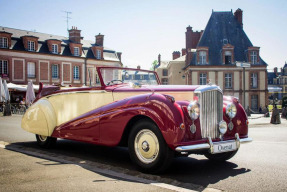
[{"x": 153, "y": 65}]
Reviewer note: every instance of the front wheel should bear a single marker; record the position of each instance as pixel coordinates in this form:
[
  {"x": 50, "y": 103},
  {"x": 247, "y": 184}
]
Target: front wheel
[
  {"x": 220, "y": 157},
  {"x": 148, "y": 149},
  {"x": 45, "y": 141}
]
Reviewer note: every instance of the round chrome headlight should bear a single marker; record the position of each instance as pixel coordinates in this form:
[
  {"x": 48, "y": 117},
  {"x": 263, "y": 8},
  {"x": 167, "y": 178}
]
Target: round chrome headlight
[
  {"x": 193, "y": 110},
  {"x": 231, "y": 110},
  {"x": 222, "y": 127}
]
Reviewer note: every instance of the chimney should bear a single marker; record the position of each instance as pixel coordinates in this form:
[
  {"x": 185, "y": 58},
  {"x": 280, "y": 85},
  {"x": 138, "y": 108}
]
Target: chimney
[
  {"x": 175, "y": 55},
  {"x": 119, "y": 54},
  {"x": 192, "y": 38},
  {"x": 100, "y": 39},
  {"x": 158, "y": 60},
  {"x": 238, "y": 16},
  {"x": 188, "y": 35},
  {"x": 183, "y": 52},
  {"x": 275, "y": 70},
  {"x": 75, "y": 35}
]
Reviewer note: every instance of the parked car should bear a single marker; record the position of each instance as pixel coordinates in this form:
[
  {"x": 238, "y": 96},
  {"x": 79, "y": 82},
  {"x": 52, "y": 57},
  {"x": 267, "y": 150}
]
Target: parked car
[{"x": 130, "y": 108}]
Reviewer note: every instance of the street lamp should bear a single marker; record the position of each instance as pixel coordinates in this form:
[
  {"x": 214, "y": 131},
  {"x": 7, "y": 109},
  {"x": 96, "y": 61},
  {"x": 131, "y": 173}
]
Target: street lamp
[{"x": 243, "y": 65}]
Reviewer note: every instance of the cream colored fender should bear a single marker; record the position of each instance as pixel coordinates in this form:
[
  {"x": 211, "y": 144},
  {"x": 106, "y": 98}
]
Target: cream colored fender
[{"x": 51, "y": 111}]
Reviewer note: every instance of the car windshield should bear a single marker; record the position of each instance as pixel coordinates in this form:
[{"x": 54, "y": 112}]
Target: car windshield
[{"x": 113, "y": 76}]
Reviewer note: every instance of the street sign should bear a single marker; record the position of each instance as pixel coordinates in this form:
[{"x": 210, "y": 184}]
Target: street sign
[{"x": 242, "y": 64}]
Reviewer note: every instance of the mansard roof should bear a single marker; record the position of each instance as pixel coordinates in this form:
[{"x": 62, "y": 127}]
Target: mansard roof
[
  {"x": 17, "y": 44},
  {"x": 223, "y": 28}
]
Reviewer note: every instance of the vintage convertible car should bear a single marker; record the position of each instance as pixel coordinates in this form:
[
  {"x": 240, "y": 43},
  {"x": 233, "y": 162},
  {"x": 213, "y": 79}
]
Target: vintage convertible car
[{"x": 130, "y": 108}]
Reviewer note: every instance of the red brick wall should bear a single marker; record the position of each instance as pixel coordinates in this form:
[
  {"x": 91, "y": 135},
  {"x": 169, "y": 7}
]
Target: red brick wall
[
  {"x": 44, "y": 69},
  {"x": 66, "y": 72},
  {"x": 18, "y": 69}
]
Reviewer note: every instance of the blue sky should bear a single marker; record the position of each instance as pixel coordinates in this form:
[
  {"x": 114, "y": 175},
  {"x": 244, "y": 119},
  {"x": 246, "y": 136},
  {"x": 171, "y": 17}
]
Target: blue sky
[{"x": 143, "y": 29}]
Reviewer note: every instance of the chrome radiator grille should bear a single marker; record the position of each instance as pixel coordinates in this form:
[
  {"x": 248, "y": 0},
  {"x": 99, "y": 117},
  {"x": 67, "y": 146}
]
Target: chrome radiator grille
[{"x": 211, "y": 106}]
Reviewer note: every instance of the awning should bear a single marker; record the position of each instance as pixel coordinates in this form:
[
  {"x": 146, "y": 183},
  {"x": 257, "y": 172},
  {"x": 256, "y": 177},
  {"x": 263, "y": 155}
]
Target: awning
[
  {"x": 274, "y": 89},
  {"x": 21, "y": 87}
]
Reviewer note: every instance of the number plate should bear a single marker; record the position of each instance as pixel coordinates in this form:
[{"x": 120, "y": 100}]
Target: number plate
[{"x": 224, "y": 147}]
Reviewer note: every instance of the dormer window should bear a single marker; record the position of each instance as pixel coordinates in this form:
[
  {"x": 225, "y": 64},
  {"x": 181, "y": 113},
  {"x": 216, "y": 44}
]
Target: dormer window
[
  {"x": 3, "y": 42},
  {"x": 253, "y": 57},
  {"x": 99, "y": 54},
  {"x": 55, "y": 48},
  {"x": 31, "y": 46},
  {"x": 76, "y": 51},
  {"x": 202, "y": 57},
  {"x": 228, "y": 57}
]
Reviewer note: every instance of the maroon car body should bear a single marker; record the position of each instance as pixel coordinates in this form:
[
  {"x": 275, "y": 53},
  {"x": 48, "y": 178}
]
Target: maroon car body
[{"x": 155, "y": 121}]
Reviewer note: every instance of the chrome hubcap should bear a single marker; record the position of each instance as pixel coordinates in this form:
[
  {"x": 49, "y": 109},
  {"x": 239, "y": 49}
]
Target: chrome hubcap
[{"x": 146, "y": 146}]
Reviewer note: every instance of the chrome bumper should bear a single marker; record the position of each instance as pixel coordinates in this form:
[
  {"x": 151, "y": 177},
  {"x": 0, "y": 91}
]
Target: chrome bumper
[{"x": 210, "y": 144}]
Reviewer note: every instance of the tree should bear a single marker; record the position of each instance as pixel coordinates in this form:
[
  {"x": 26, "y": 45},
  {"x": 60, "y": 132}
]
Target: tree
[{"x": 153, "y": 65}]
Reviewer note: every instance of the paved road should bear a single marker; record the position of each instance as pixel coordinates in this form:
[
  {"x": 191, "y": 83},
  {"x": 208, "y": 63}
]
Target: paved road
[{"x": 259, "y": 166}]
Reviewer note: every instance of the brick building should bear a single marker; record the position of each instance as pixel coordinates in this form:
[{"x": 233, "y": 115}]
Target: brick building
[
  {"x": 52, "y": 59},
  {"x": 212, "y": 55}
]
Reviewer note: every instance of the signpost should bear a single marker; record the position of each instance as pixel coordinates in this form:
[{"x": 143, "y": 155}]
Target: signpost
[{"x": 243, "y": 65}]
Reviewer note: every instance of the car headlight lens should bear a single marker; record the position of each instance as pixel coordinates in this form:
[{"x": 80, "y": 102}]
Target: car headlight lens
[
  {"x": 231, "y": 110},
  {"x": 222, "y": 127},
  {"x": 193, "y": 110}
]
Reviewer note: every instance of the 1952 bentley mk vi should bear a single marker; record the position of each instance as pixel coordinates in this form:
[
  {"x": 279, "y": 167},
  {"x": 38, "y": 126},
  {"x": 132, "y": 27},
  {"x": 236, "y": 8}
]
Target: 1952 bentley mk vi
[{"x": 130, "y": 108}]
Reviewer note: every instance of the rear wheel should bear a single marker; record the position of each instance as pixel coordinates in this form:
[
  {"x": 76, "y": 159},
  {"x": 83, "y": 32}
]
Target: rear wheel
[
  {"x": 45, "y": 141},
  {"x": 220, "y": 157},
  {"x": 148, "y": 149}
]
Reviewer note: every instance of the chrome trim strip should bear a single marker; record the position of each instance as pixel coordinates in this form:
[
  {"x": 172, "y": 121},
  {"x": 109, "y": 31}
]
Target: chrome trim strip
[{"x": 207, "y": 145}]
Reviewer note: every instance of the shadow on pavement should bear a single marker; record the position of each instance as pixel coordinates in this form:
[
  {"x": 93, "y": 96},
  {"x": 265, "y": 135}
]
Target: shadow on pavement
[{"x": 114, "y": 162}]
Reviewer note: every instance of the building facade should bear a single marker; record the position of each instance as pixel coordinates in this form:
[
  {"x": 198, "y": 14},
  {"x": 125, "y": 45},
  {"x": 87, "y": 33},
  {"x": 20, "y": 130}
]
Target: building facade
[
  {"x": 212, "y": 54},
  {"x": 277, "y": 83},
  {"x": 52, "y": 59}
]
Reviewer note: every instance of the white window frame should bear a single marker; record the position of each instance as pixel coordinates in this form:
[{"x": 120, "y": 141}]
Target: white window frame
[
  {"x": 31, "y": 70},
  {"x": 253, "y": 57},
  {"x": 31, "y": 45},
  {"x": 76, "y": 73},
  {"x": 164, "y": 81},
  {"x": 99, "y": 54},
  {"x": 228, "y": 80},
  {"x": 55, "y": 71},
  {"x": 254, "y": 80},
  {"x": 202, "y": 78},
  {"x": 55, "y": 48},
  {"x": 202, "y": 57},
  {"x": 3, "y": 42},
  {"x": 76, "y": 51},
  {"x": 3, "y": 67}
]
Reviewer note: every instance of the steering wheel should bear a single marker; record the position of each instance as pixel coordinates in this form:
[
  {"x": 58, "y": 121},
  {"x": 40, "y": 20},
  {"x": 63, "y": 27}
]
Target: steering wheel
[{"x": 114, "y": 80}]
